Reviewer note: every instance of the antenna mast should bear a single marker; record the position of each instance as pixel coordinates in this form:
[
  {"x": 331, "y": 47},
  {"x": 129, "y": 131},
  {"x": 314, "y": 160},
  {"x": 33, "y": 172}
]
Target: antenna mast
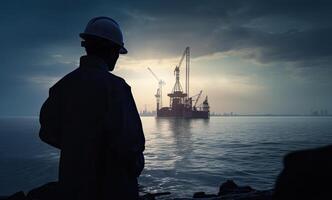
[{"x": 187, "y": 70}]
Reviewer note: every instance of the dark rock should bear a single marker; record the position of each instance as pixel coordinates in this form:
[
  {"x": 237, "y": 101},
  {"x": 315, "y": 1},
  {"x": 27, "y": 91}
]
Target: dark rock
[
  {"x": 203, "y": 195},
  {"x": 229, "y": 190},
  {"x": 307, "y": 174},
  {"x": 230, "y": 187},
  {"x": 253, "y": 195},
  {"x": 227, "y": 187},
  {"x": 152, "y": 196}
]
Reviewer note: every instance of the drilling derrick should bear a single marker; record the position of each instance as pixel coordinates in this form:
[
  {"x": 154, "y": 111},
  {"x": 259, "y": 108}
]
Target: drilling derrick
[
  {"x": 180, "y": 103},
  {"x": 178, "y": 99}
]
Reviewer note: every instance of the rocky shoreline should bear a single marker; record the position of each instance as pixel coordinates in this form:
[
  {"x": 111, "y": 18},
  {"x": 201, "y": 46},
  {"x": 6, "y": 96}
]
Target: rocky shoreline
[{"x": 229, "y": 190}]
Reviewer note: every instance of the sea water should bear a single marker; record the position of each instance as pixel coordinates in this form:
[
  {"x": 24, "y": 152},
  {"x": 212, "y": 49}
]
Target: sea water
[{"x": 182, "y": 156}]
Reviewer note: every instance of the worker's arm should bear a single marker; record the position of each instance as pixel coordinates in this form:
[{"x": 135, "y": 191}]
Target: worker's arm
[
  {"x": 49, "y": 120},
  {"x": 136, "y": 131},
  {"x": 126, "y": 133}
]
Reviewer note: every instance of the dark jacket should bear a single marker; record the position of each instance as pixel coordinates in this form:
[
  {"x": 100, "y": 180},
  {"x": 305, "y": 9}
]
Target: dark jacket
[{"x": 91, "y": 116}]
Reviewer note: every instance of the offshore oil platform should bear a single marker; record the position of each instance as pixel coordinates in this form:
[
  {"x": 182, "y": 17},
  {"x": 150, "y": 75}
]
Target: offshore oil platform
[{"x": 181, "y": 104}]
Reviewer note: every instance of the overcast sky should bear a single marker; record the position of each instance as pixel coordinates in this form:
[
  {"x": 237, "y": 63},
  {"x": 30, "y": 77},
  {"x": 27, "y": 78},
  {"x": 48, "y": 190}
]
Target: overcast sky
[{"x": 247, "y": 56}]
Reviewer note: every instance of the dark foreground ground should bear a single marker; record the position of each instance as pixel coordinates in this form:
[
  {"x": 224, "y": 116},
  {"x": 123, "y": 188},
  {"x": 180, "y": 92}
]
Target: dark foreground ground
[{"x": 227, "y": 191}]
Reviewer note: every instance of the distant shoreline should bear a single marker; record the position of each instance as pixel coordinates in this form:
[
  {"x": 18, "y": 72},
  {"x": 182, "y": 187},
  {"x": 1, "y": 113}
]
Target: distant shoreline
[
  {"x": 237, "y": 115},
  {"x": 258, "y": 115},
  {"x": 270, "y": 115}
]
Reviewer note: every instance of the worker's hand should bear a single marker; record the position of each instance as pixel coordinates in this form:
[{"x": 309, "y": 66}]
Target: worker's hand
[{"x": 135, "y": 165}]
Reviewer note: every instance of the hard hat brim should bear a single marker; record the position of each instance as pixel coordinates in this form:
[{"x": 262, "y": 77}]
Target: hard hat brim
[{"x": 122, "y": 50}]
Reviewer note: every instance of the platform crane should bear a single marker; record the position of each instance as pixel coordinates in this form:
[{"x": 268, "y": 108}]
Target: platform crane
[
  {"x": 159, "y": 94},
  {"x": 177, "y": 86},
  {"x": 198, "y": 96},
  {"x": 205, "y": 105},
  {"x": 178, "y": 97}
]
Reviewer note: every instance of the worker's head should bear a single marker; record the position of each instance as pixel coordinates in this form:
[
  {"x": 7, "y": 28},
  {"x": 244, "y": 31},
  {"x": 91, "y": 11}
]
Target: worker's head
[
  {"x": 102, "y": 48},
  {"x": 103, "y": 37}
]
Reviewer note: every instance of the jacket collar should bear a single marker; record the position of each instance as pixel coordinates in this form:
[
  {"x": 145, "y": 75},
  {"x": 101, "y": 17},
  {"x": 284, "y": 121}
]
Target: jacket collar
[{"x": 93, "y": 61}]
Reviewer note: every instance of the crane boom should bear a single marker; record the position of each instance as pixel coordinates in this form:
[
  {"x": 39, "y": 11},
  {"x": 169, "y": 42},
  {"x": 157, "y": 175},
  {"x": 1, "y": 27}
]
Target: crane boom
[
  {"x": 159, "y": 94},
  {"x": 183, "y": 55},
  {"x": 154, "y": 74},
  {"x": 199, "y": 95}
]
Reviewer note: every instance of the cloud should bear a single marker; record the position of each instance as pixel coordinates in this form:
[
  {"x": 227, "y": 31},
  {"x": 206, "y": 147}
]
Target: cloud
[
  {"x": 40, "y": 38},
  {"x": 43, "y": 81},
  {"x": 277, "y": 30}
]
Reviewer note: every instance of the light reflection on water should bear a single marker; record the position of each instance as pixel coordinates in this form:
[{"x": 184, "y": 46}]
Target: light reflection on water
[{"x": 182, "y": 156}]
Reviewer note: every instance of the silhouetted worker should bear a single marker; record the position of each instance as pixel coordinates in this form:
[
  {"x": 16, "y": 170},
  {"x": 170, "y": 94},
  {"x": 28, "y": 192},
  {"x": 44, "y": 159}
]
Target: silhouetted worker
[{"x": 91, "y": 116}]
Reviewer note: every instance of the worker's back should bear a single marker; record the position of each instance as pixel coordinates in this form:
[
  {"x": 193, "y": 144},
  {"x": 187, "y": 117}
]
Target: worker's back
[{"x": 91, "y": 116}]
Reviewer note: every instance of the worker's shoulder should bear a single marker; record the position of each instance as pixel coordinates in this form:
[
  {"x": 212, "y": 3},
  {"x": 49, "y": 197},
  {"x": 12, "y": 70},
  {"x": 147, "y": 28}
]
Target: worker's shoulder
[
  {"x": 98, "y": 77},
  {"x": 64, "y": 80},
  {"x": 117, "y": 81}
]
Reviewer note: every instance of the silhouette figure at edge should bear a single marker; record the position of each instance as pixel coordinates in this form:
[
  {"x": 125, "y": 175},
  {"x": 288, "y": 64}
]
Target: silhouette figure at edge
[
  {"x": 306, "y": 175},
  {"x": 91, "y": 116}
]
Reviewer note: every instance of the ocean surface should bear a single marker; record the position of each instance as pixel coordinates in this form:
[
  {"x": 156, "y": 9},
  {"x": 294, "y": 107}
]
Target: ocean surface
[{"x": 182, "y": 156}]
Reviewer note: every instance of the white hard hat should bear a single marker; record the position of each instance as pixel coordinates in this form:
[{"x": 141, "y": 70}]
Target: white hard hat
[{"x": 106, "y": 28}]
